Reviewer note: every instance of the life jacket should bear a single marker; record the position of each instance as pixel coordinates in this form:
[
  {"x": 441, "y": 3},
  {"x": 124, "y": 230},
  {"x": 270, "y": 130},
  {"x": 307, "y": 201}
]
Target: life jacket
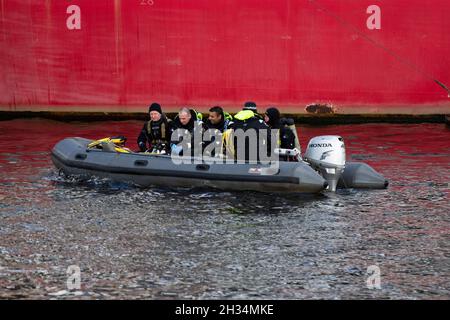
[
  {"x": 244, "y": 115},
  {"x": 246, "y": 119},
  {"x": 198, "y": 115},
  {"x": 228, "y": 143},
  {"x": 227, "y": 120},
  {"x": 227, "y": 116},
  {"x": 154, "y": 128}
]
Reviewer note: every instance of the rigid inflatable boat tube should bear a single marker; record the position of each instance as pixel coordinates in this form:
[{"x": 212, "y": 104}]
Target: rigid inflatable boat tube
[
  {"x": 361, "y": 175},
  {"x": 72, "y": 156}
]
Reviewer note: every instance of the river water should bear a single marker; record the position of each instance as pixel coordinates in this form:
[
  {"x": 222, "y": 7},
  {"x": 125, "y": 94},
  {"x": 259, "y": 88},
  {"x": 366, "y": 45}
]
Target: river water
[{"x": 201, "y": 244}]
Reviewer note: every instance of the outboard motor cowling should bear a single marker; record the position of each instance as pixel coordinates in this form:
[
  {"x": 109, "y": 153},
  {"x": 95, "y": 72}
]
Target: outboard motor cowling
[{"x": 326, "y": 154}]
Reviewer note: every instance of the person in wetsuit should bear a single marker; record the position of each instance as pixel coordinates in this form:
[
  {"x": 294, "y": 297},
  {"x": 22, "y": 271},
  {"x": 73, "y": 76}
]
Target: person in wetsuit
[
  {"x": 286, "y": 138},
  {"x": 249, "y": 119},
  {"x": 218, "y": 121},
  {"x": 187, "y": 122},
  {"x": 155, "y": 134}
]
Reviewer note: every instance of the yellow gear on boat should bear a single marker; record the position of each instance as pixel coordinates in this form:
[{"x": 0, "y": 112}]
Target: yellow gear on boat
[
  {"x": 98, "y": 142},
  {"x": 198, "y": 115},
  {"x": 227, "y": 116},
  {"x": 244, "y": 115},
  {"x": 118, "y": 143},
  {"x": 228, "y": 143},
  {"x": 122, "y": 150}
]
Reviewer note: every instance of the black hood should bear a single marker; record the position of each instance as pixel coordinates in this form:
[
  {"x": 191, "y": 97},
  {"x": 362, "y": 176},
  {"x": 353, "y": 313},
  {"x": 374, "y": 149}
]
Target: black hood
[{"x": 274, "y": 117}]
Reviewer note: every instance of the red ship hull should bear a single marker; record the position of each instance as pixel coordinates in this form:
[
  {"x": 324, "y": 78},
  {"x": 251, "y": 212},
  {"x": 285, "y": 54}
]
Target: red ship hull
[{"x": 119, "y": 56}]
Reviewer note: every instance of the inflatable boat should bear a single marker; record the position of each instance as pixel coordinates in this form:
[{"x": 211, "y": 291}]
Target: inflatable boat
[{"x": 313, "y": 174}]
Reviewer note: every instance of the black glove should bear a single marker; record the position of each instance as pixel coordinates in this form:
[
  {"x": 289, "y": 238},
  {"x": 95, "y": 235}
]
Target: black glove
[{"x": 142, "y": 146}]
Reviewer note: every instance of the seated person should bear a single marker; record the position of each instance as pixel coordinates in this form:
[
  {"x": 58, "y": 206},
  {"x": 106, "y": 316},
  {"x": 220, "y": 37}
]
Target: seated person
[
  {"x": 155, "y": 134},
  {"x": 249, "y": 119},
  {"x": 218, "y": 121},
  {"x": 287, "y": 138},
  {"x": 186, "y": 122}
]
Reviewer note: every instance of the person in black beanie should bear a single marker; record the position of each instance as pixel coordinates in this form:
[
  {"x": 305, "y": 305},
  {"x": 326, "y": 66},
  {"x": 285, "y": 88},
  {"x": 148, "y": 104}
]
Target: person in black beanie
[
  {"x": 155, "y": 107},
  {"x": 250, "y": 105},
  {"x": 155, "y": 135}
]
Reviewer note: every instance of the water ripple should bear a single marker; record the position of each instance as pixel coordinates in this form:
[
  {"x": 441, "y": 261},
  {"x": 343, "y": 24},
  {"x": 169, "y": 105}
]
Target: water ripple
[{"x": 162, "y": 243}]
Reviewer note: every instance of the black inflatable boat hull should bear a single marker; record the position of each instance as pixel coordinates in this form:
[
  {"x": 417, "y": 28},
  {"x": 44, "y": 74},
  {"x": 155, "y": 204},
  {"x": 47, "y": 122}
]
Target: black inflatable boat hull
[{"x": 72, "y": 156}]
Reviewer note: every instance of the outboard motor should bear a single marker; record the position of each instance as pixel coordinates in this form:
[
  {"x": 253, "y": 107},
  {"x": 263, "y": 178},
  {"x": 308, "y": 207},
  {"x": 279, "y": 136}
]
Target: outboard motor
[{"x": 326, "y": 154}]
